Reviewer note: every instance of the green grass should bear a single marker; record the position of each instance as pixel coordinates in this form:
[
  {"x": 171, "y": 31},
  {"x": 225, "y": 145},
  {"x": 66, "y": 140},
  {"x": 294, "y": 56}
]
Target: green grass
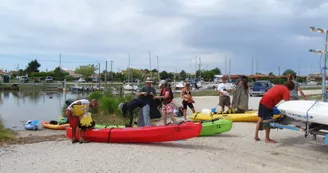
[
  {"x": 6, "y": 134},
  {"x": 314, "y": 88},
  {"x": 107, "y": 112},
  {"x": 313, "y": 97}
]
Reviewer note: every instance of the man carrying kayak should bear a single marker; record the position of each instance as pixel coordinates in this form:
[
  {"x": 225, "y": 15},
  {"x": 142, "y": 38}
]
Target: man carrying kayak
[
  {"x": 133, "y": 104},
  {"x": 270, "y": 99}
]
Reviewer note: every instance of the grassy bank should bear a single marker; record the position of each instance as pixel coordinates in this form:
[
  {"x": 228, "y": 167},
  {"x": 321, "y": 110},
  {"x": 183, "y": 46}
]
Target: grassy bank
[
  {"x": 107, "y": 111},
  {"x": 6, "y": 134}
]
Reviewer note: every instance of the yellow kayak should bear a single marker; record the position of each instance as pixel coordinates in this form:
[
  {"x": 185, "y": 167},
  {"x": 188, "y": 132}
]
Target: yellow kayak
[{"x": 250, "y": 116}]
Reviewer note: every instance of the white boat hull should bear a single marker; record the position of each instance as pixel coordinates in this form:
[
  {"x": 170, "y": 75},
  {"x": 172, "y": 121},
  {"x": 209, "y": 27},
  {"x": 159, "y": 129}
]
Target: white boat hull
[{"x": 298, "y": 109}]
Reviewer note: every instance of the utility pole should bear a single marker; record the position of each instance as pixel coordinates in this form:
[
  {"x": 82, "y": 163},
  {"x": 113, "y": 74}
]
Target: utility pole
[
  {"x": 158, "y": 70},
  {"x": 99, "y": 77},
  {"x": 225, "y": 65},
  {"x": 151, "y": 73},
  {"x": 278, "y": 69},
  {"x": 106, "y": 77},
  {"x": 257, "y": 65},
  {"x": 200, "y": 71},
  {"x": 195, "y": 68},
  {"x": 298, "y": 69},
  {"x": 229, "y": 68},
  {"x": 111, "y": 70},
  {"x": 252, "y": 65},
  {"x": 60, "y": 61}
]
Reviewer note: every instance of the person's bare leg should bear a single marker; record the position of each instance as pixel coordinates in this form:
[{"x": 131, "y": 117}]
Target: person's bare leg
[
  {"x": 267, "y": 137},
  {"x": 172, "y": 117},
  {"x": 73, "y": 133},
  {"x": 256, "y": 137},
  {"x": 193, "y": 110},
  {"x": 165, "y": 118},
  {"x": 185, "y": 114}
]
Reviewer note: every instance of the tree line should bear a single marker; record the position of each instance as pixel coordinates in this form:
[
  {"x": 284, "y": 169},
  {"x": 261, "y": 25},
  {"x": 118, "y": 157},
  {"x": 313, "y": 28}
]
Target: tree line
[{"x": 130, "y": 74}]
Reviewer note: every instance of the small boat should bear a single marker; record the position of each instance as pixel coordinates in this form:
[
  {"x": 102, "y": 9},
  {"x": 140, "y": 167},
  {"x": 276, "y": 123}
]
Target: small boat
[
  {"x": 214, "y": 127},
  {"x": 54, "y": 126},
  {"x": 32, "y": 125},
  {"x": 306, "y": 110},
  {"x": 77, "y": 88},
  {"x": 250, "y": 116},
  {"x": 149, "y": 134}
]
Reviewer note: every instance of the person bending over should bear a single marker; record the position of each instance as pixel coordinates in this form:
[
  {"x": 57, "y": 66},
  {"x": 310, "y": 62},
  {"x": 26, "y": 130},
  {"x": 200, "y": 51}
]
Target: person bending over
[
  {"x": 127, "y": 108},
  {"x": 74, "y": 121},
  {"x": 271, "y": 98}
]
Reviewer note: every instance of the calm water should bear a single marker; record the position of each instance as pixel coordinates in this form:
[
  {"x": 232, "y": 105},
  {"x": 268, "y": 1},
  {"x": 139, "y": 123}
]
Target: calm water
[{"x": 18, "y": 107}]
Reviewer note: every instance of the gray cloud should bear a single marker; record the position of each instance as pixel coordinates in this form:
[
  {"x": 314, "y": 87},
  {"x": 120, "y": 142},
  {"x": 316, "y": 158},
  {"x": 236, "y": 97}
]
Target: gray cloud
[{"x": 272, "y": 31}]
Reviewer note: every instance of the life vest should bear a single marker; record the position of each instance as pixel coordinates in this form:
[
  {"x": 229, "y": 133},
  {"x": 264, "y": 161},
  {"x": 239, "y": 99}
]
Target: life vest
[
  {"x": 86, "y": 122},
  {"x": 169, "y": 99}
]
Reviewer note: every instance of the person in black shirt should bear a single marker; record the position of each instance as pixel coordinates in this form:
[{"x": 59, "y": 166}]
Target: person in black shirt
[
  {"x": 147, "y": 94},
  {"x": 126, "y": 108}
]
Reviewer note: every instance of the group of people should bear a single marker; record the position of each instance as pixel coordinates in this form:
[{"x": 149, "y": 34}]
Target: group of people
[
  {"x": 148, "y": 102},
  {"x": 272, "y": 98}
]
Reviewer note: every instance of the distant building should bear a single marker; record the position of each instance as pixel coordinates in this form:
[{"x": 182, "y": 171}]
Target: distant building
[{"x": 73, "y": 74}]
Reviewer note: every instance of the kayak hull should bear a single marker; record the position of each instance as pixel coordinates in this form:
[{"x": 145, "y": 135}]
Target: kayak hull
[
  {"x": 250, "y": 116},
  {"x": 54, "y": 127},
  {"x": 216, "y": 127},
  {"x": 101, "y": 126},
  {"x": 147, "y": 134}
]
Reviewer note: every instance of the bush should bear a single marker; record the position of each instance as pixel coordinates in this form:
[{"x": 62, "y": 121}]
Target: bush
[
  {"x": 5, "y": 134},
  {"x": 95, "y": 95}
]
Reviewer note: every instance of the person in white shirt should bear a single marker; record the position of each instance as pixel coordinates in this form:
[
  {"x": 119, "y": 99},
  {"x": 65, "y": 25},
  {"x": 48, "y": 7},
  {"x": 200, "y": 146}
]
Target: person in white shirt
[
  {"x": 224, "y": 94},
  {"x": 74, "y": 121}
]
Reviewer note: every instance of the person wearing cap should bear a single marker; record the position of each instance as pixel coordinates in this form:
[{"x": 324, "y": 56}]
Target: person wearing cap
[
  {"x": 224, "y": 92},
  {"x": 167, "y": 96},
  {"x": 147, "y": 93},
  {"x": 127, "y": 108},
  {"x": 187, "y": 100}
]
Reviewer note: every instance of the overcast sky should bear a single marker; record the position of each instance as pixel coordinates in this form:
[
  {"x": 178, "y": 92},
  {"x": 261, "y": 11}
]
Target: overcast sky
[{"x": 276, "y": 32}]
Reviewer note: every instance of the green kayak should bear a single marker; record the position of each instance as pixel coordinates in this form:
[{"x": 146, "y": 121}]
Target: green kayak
[{"x": 216, "y": 127}]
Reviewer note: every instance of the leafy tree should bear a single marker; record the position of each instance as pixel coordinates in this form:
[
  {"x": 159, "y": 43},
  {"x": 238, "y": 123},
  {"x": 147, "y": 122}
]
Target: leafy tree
[
  {"x": 86, "y": 70},
  {"x": 208, "y": 75},
  {"x": 170, "y": 75},
  {"x": 289, "y": 71},
  {"x": 163, "y": 75},
  {"x": 216, "y": 71},
  {"x": 271, "y": 74},
  {"x": 58, "y": 72},
  {"x": 183, "y": 75},
  {"x": 132, "y": 74},
  {"x": 145, "y": 71},
  {"x": 32, "y": 66},
  {"x": 154, "y": 70},
  {"x": 20, "y": 72}
]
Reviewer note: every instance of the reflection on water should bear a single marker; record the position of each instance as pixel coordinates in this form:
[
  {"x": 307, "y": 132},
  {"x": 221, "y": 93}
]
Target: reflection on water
[{"x": 16, "y": 107}]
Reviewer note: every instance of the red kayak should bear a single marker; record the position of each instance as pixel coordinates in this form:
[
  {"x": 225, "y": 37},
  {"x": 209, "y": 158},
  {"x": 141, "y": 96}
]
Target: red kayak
[{"x": 149, "y": 134}]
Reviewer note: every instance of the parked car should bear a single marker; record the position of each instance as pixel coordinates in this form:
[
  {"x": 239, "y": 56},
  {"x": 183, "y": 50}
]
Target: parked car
[
  {"x": 48, "y": 79},
  {"x": 23, "y": 79},
  {"x": 260, "y": 88}
]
